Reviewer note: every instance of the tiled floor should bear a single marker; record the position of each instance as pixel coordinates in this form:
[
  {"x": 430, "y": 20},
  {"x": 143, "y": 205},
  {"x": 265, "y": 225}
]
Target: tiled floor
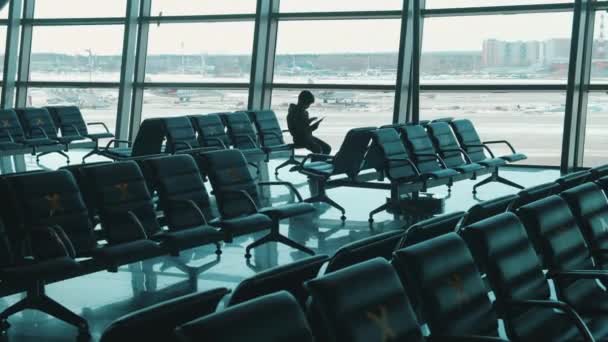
[{"x": 102, "y": 297}]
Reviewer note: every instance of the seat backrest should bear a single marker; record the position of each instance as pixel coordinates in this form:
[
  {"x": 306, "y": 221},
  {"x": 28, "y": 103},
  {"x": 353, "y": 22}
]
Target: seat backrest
[
  {"x": 488, "y": 208},
  {"x": 500, "y": 243},
  {"x": 420, "y": 147},
  {"x": 590, "y": 208},
  {"x": 349, "y": 157},
  {"x": 556, "y": 234},
  {"x": 394, "y": 154},
  {"x": 534, "y": 193},
  {"x": 9, "y": 123},
  {"x": 44, "y": 199},
  {"x": 149, "y": 139},
  {"x": 447, "y": 287},
  {"x": 431, "y": 228},
  {"x": 179, "y": 133},
  {"x": 290, "y": 278},
  {"x": 8, "y": 256},
  {"x": 178, "y": 179},
  {"x": 36, "y": 120},
  {"x": 211, "y": 131},
  {"x": 268, "y": 127},
  {"x": 363, "y": 302},
  {"x": 85, "y": 184},
  {"x": 120, "y": 188},
  {"x": 69, "y": 119},
  {"x": 229, "y": 176},
  {"x": 380, "y": 245},
  {"x": 573, "y": 179},
  {"x": 274, "y": 318},
  {"x": 158, "y": 322},
  {"x": 446, "y": 143},
  {"x": 240, "y": 130},
  {"x": 469, "y": 139},
  {"x": 598, "y": 172}
]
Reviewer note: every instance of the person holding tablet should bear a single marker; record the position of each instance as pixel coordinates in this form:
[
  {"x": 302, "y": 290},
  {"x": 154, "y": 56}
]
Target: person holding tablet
[{"x": 301, "y": 126}]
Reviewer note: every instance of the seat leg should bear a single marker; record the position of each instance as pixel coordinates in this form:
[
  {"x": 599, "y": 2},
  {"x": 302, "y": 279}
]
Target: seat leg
[
  {"x": 23, "y": 304},
  {"x": 265, "y": 239},
  {"x": 53, "y": 308},
  {"x": 508, "y": 182},
  {"x": 323, "y": 198},
  {"x": 483, "y": 182},
  {"x": 290, "y": 161},
  {"x": 92, "y": 152},
  {"x": 291, "y": 243},
  {"x": 377, "y": 210}
]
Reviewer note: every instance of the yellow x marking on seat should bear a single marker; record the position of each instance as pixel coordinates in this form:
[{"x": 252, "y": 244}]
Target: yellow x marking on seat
[
  {"x": 381, "y": 320},
  {"x": 124, "y": 190},
  {"x": 54, "y": 201},
  {"x": 455, "y": 282}
]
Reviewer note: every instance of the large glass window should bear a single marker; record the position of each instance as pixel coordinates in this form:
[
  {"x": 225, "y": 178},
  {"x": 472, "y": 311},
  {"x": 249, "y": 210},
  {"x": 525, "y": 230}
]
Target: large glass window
[
  {"x": 596, "y": 137},
  {"x": 337, "y": 52},
  {"x": 480, "y": 3},
  {"x": 2, "y": 48},
  {"x": 97, "y": 105},
  {"x": 599, "y": 62},
  {"x": 163, "y": 102},
  {"x": 339, "y": 5},
  {"x": 200, "y": 52},
  {"x": 79, "y": 8},
  {"x": 202, "y": 7},
  {"x": 532, "y": 122},
  {"x": 76, "y": 53},
  {"x": 342, "y": 109},
  {"x": 497, "y": 49}
]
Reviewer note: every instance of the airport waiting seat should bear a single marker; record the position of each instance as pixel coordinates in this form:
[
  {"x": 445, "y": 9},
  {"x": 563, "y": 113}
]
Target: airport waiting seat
[
  {"x": 242, "y": 135},
  {"x": 70, "y": 121},
  {"x": 598, "y": 172},
  {"x": 572, "y": 179},
  {"x": 376, "y": 246},
  {"x": 485, "y": 209},
  {"x": 446, "y": 288},
  {"x": 211, "y": 131},
  {"x": 127, "y": 213},
  {"x": 423, "y": 154},
  {"x": 476, "y": 149},
  {"x": 40, "y": 130},
  {"x": 271, "y": 137},
  {"x": 276, "y": 317},
  {"x": 12, "y": 137},
  {"x": 446, "y": 145},
  {"x": 558, "y": 238},
  {"x": 180, "y": 134},
  {"x": 523, "y": 296},
  {"x": 363, "y": 302},
  {"x": 590, "y": 208},
  {"x": 534, "y": 193},
  {"x": 158, "y": 322},
  {"x": 431, "y": 228},
  {"x": 290, "y": 278},
  {"x": 239, "y": 199},
  {"x": 148, "y": 142},
  {"x": 347, "y": 161}
]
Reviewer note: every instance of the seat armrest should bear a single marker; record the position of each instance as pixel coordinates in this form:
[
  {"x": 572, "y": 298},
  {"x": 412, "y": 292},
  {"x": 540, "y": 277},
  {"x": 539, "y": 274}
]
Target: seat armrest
[
  {"x": 501, "y": 142},
  {"x": 484, "y": 146},
  {"x": 290, "y": 186},
  {"x": 183, "y": 203},
  {"x": 251, "y": 140},
  {"x": 112, "y": 141},
  {"x": 463, "y": 152},
  {"x": 8, "y": 134},
  {"x": 74, "y": 128},
  {"x": 99, "y": 124},
  {"x": 578, "y": 274},
  {"x": 38, "y": 129},
  {"x": 244, "y": 194},
  {"x": 121, "y": 216},
  {"x": 182, "y": 143},
  {"x": 316, "y": 155},
  {"x": 550, "y": 304}
]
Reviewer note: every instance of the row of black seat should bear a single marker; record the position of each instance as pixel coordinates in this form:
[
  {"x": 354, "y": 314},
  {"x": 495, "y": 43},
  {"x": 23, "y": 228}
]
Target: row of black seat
[
  {"x": 413, "y": 157},
  {"x": 442, "y": 268},
  {"x": 50, "y": 218}
]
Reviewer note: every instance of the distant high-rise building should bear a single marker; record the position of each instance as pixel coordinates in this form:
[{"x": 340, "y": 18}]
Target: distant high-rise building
[
  {"x": 498, "y": 53},
  {"x": 556, "y": 50}
]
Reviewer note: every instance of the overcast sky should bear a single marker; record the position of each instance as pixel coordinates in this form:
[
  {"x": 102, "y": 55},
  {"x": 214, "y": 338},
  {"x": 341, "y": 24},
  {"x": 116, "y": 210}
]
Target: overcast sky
[{"x": 440, "y": 34}]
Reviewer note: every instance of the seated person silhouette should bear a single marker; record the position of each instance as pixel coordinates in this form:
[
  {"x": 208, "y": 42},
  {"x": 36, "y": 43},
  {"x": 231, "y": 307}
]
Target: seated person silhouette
[{"x": 301, "y": 125}]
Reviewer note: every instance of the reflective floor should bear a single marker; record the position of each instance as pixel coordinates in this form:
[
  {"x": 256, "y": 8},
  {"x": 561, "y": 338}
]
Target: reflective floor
[{"x": 102, "y": 297}]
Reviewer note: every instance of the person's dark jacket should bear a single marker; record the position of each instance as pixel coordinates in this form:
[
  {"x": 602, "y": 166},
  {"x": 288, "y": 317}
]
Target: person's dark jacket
[{"x": 298, "y": 123}]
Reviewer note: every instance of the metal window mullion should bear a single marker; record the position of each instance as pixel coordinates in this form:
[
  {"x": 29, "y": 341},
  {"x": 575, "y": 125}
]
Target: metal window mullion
[
  {"x": 9, "y": 79},
  {"x": 127, "y": 70},
  {"x": 25, "y": 54},
  {"x": 403, "y": 92},
  {"x": 140, "y": 69}
]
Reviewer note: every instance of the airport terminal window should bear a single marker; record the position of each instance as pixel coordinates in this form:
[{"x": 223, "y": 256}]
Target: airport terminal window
[
  {"x": 455, "y": 50},
  {"x": 84, "y": 53},
  {"x": 2, "y": 48},
  {"x": 200, "y": 52},
  {"x": 96, "y": 104},
  {"x": 533, "y": 122},
  {"x": 340, "y": 5},
  {"x": 162, "y": 102},
  {"x": 80, "y": 8},
  {"x": 599, "y": 56},
  {"x": 342, "y": 109},
  {"x": 596, "y": 139},
  {"x": 337, "y": 52},
  {"x": 201, "y": 7},
  {"x": 480, "y": 3}
]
